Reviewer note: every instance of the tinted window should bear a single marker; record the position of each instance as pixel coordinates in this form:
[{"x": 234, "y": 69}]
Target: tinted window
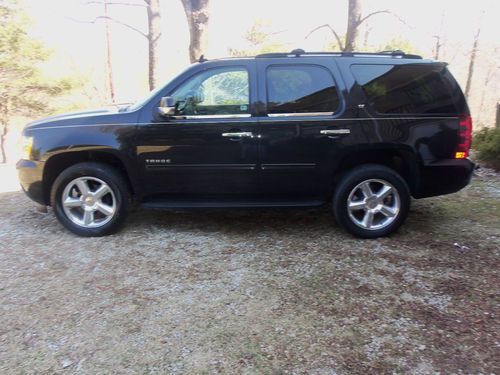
[
  {"x": 300, "y": 89},
  {"x": 409, "y": 89},
  {"x": 221, "y": 91}
]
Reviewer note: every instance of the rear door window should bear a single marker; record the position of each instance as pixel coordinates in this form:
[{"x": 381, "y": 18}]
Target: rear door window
[
  {"x": 300, "y": 89},
  {"x": 409, "y": 89}
]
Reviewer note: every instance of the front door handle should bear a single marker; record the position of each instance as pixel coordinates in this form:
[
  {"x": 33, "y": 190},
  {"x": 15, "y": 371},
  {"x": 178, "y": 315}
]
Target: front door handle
[
  {"x": 238, "y": 135},
  {"x": 335, "y": 131}
]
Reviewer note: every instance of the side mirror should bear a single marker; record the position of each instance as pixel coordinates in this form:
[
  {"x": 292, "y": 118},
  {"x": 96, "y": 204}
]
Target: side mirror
[{"x": 167, "y": 106}]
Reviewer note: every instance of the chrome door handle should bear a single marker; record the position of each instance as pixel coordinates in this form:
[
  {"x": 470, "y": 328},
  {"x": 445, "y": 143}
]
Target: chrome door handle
[
  {"x": 238, "y": 135},
  {"x": 335, "y": 131}
]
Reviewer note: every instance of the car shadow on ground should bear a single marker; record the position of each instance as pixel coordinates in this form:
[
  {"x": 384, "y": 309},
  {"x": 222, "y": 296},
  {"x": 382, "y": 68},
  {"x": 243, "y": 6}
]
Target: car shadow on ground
[
  {"x": 308, "y": 221},
  {"x": 245, "y": 220},
  {"x": 424, "y": 215}
]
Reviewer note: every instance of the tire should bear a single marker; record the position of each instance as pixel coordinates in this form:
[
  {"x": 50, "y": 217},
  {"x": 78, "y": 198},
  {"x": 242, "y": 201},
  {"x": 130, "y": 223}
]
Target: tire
[
  {"x": 96, "y": 199},
  {"x": 371, "y": 201}
]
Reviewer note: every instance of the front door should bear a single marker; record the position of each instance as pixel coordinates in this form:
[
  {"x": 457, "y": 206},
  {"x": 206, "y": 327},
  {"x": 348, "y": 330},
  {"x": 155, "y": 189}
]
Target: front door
[{"x": 210, "y": 146}]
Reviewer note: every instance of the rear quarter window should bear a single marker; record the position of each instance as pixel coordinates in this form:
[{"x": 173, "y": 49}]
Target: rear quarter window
[{"x": 410, "y": 88}]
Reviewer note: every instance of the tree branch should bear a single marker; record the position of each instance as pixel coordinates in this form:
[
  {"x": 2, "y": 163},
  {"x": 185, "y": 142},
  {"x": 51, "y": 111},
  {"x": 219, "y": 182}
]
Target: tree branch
[
  {"x": 386, "y": 11},
  {"x": 116, "y": 3},
  {"x": 372, "y": 14},
  {"x": 114, "y": 20},
  {"x": 337, "y": 37}
]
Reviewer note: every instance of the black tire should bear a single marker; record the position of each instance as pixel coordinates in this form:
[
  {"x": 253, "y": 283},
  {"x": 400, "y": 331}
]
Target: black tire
[
  {"x": 348, "y": 185},
  {"x": 107, "y": 174}
]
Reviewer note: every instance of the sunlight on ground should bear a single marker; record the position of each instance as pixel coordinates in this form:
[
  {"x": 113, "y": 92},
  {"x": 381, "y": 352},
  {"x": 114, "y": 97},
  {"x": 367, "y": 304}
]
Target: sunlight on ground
[{"x": 8, "y": 178}]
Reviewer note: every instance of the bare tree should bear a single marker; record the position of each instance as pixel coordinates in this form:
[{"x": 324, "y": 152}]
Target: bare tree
[
  {"x": 488, "y": 78},
  {"x": 355, "y": 19},
  {"x": 472, "y": 61},
  {"x": 439, "y": 38},
  {"x": 109, "y": 63},
  {"x": 152, "y": 35},
  {"x": 197, "y": 14}
]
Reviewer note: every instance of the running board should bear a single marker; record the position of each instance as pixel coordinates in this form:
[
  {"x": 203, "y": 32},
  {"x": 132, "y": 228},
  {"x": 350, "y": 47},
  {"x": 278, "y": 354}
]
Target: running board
[{"x": 184, "y": 203}]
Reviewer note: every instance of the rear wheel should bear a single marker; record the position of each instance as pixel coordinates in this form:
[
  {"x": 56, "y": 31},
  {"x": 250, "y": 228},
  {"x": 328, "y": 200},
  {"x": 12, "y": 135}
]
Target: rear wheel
[
  {"x": 371, "y": 201},
  {"x": 90, "y": 199}
]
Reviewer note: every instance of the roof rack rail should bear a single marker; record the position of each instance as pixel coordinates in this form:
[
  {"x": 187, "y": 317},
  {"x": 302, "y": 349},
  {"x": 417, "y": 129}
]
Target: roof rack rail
[{"x": 301, "y": 52}]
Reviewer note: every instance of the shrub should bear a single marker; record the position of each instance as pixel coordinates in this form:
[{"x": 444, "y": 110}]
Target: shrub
[{"x": 487, "y": 144}]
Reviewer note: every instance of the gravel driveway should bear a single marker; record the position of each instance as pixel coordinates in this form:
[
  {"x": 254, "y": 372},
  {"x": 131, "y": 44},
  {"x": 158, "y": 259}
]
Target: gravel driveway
[{"x": 253, "y": 291}]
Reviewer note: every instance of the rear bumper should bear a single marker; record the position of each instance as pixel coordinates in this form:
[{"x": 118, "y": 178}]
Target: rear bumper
[
  {"x": 444, "y": 177},
  {"x": 30, "y": 176}
]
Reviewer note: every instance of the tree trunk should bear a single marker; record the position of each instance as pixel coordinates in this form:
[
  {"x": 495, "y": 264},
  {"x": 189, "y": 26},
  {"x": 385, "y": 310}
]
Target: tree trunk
[
  {"x": 197, "y": 17},
  {"x": 487, "y": 79},
  {"x": 109, "y": 64},
  {"x": 353, "y": 22},
  {"x": 3, "y": 137},
  {"x": 439, "y": 38},
  {"x": 471, "y": 63},
  {"x": 497, "y": 120},
  {"x": 154, "y": 34},
  {"x": 437, "y": 48}
]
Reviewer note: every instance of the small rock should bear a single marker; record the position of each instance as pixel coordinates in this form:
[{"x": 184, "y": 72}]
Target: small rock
[
  {"x": 421, "y": 347},
  {"x": 461, "y": 247},
  {"x": 66, "y": 363}
]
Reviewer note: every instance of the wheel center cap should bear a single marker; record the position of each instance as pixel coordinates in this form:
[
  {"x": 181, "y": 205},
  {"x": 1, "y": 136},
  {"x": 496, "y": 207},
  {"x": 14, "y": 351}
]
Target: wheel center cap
[
  {"x": 89, "y": 201},
  {"x": 371, "y": 203}
]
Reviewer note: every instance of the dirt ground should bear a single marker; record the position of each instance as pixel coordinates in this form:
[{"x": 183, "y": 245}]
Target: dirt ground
[{"x": 254, "y": 292}]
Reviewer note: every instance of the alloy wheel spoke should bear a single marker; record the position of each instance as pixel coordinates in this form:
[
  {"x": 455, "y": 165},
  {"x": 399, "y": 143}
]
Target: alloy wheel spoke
[
  {"x": 88, "y": 217},
  {"x": 387, "y": 211},
  {"x": 384, "y": 192},
  {"x": 357, "y": 205},
  {"x": 105, "y": 209},
  {"x": 366, "y": 189},
  {"x": 102, "y": 191},
  {"x": 83, "y": 187},
  {"x": 72, "y": 202},
  {"x": 368, "y": 219}
]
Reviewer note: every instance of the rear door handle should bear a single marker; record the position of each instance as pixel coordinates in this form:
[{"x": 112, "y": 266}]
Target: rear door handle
[
  {"x": 238, "y": 135},
  {"x": 335, "y": 131}
]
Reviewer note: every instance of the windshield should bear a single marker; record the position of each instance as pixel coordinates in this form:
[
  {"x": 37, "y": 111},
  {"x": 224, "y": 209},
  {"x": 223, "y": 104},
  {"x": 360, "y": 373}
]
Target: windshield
[{"x": 139, "y": 103}]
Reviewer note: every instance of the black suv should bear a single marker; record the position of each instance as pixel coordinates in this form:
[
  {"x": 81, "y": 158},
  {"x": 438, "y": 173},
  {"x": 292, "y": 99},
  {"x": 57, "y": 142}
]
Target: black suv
[{"x": 360, "y": 131}]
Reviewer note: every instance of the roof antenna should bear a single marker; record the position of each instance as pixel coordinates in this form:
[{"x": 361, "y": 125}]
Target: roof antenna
[
  {"x": 202, "y": 59},
  {"x": 297, "y": 52}
]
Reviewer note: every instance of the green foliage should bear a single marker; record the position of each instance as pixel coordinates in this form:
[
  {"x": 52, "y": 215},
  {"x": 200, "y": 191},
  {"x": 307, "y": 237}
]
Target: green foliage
[
  {"x": 399, "y": 44},
  {"x": 487, "y": 144},
  {"x": 23, "y": 88},
  {"x": 333, "y": 46},
  {"x": 260, "y": 40}
]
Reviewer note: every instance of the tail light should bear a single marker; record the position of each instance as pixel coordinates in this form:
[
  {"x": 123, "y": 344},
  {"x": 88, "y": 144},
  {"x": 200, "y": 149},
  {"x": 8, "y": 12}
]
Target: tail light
[{"x": 464, "y": 137}]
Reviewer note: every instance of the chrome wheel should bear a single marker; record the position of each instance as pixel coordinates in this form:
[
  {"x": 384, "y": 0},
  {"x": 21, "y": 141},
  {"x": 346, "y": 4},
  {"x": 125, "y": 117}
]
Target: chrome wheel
[
  {"x": 89, "y": 202},
  {"x": 373, "y": 204}
]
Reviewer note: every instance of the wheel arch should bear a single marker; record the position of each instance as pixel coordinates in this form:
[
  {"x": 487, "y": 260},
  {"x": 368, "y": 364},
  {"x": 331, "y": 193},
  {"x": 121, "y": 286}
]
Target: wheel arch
[
  {"x": 61, "y": 161},
  {"x": 402, "y": 160}
]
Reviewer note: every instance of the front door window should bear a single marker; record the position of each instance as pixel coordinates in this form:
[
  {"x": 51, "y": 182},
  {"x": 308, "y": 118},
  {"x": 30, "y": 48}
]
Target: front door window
[{"x": 216, "y": 92}]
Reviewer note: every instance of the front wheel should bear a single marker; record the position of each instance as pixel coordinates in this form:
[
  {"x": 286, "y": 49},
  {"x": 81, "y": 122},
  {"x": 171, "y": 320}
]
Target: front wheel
[
  {"x": 90, "y": 199},
  {"x": 371, "y": 201}
]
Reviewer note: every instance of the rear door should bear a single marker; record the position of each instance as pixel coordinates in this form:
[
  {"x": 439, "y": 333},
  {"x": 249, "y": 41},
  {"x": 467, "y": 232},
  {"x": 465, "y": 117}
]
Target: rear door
[{"x": 301, "y": 125}]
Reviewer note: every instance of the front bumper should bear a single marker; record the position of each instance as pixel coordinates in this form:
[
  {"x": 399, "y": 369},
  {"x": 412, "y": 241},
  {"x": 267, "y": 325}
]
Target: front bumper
[
  {"x": 444, "y": 177},
  {"x": 31, "y": 176}
]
